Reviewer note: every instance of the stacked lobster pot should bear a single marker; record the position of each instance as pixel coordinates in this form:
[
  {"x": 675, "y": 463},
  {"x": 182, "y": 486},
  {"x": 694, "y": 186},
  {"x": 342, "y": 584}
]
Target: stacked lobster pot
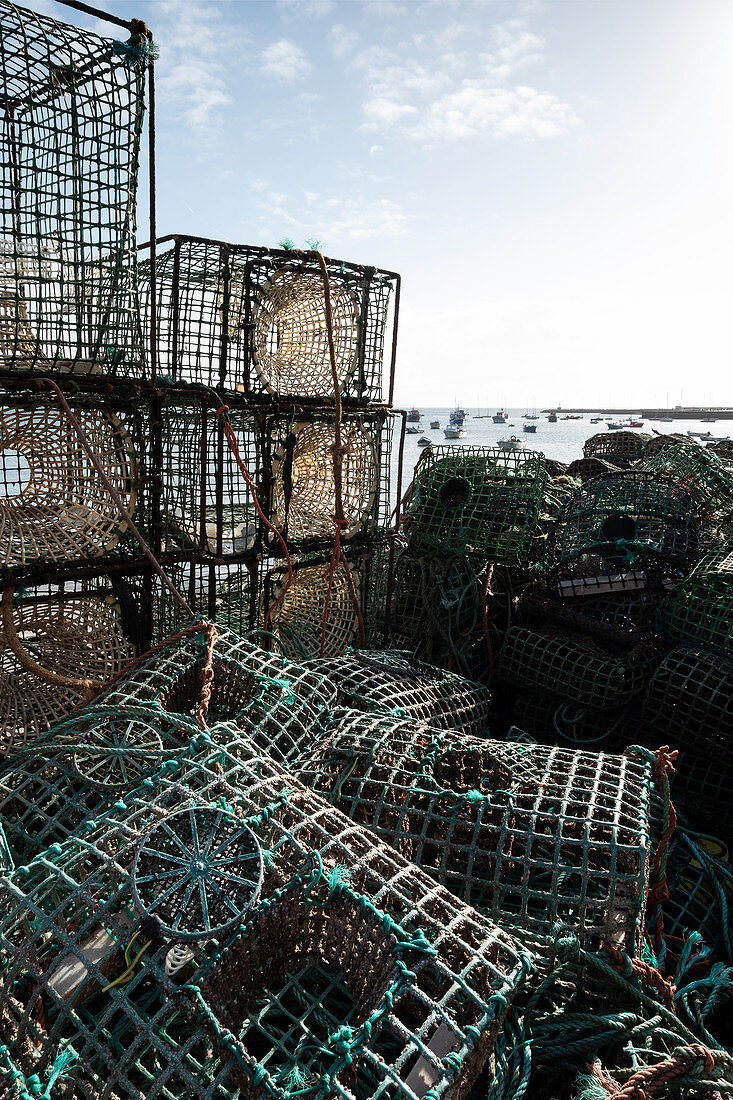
[
  {"x": 75, "y": 585},
  {"x": 275, "y": 436}
]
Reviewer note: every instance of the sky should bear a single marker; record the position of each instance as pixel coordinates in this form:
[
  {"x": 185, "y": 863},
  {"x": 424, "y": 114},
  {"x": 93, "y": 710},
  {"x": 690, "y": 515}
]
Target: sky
[{"x": 551, "y": 178}]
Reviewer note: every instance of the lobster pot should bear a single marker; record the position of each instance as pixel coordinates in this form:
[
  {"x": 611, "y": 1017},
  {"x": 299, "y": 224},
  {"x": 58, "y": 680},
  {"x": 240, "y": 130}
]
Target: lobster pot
[
  {"x": 577, "y": 667},
  {"x": 622, "y": 617},
  {"x": 73, "y": 109},
  {"x": 553, "y": 719},
  {"x": 700, "y": 884},
  {"x": 206, "y": 504},
  {"x": 303, "y": 496},
  {"x": 395, "y": 684},
  {"x": 54, "y": 509},
  {"x": 555, "y": 468},
  {"x": 699, "y": 611},
  {"x": 353, "y": 970},
  {"x": 254, "y": 320},
  {"x": 58, "y": 644},
  {"x": 587, "y": 468},
  {"x": 295, "y": 608},
  {"x": 657, "y": 443},
  {"x": 224, "y": 594},
  {"x": 707, "y": 476},
  {"x": 476, "y": 500},
  {"x": 722, "y": 447},
  {"x": 504, "y": 826},
  {"x": 621, "y": 533},
  {"x": 286, "y": 703},
  {"x": 620, "y": 448}
]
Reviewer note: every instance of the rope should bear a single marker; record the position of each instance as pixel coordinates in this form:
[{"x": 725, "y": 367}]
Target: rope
[
  {"x": 646, "y": 1083},
  {"x": 627, "y": 966},
  {"x": 89, "y": 687},
  {"x": 664, "y": 761},
  {"x": 207, "y": 676}
]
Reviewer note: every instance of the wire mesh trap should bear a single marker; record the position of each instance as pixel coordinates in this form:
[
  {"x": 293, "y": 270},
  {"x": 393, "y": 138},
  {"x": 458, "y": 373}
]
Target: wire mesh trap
[
  {"x": 706, "y": 475},
  {"x": 73, "y": 110},
  {"x": 577, "y": 667},
  {"x": 346, "y": 970},
  {"x": 296, "y": 608},
  {"x": 616, "y": 447},
  {"x": 587, "y": 468},
  {"x": 57, "y": 645},
  {"x": 700, "y": 609},
  {"x": 395, "y": 684},
  {"x": 627, "y": 531},
  {"x": 226, "y": 594},
  {"x": 554, "y": 719},
  {"x": 534, "y": 833},
  {"x": 303, "y": 494},
  {"x": 476, "y": 499},
  {"x": 53, "y": 507},
  {"x": 206, "y": 505},
  {"x": 253, "y": 319}
]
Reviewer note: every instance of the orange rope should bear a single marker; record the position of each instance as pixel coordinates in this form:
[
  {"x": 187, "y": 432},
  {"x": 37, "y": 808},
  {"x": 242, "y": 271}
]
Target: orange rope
[
  {"x": 207, "y": 676},
  {"x": 485, "y": 621}
]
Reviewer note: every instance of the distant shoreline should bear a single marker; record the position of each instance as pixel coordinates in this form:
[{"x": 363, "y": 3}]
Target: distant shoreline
[{"x": 650, "y": 414}]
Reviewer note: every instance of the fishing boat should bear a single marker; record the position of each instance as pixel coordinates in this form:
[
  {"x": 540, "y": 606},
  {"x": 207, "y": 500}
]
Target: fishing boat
[
  {"x": 414, "y": 429},
  {"x": 529, "y": 427},
  {"x": 596, "y": 420},
  {"x": 413, "y": 416},
  {"x": 636, "y": 424},
  {"x": 615, "y": 425},
  {"x": 454, "y": 431},
  {"x": 552, "y": 418},
  {"x": 499, "y": 417},
  {"x": 513, "y": 443},
  {"x": 423, "y": 441},
  {"x": 434, "y": 424},
  {"x": 708, "y": 420}
]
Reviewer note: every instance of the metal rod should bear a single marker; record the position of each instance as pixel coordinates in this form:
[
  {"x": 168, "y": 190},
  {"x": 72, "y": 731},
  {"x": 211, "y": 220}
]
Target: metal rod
[
  {"x": 395, "y": 322},
  {"x": 99, "y": 14},
  {"x": 153, "y": 226}
]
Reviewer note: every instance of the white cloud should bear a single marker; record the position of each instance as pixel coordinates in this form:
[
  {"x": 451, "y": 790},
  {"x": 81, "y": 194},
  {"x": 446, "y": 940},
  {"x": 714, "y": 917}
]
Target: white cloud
[
  {"x": 284, "y": 61},
  {"x": 374, "y": 150},
  {"x": 313, "y": 9},
  {"x": 476, "y": 109},
  {"x": 385, "y": 113},
  {"x": 341, "y": 40},
  {"x": 334, "y": 220}
]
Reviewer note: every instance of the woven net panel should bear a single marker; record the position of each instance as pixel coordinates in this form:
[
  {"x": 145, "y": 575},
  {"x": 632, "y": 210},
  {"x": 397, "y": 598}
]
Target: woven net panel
[
  {"x": 699, "y": 610},
  {"x": 577, "y": 667},
  {"x": 707, "y": 476},
  {"x": 225, "y": 594},
  {"x": 534, "y": 833},
  {"x": 206, "y": 503},
  {"x": 282, "y": 704},
  {"x": 657, "y": 443},
  {"x": 553, "y": 719},
  {"x": 73, "y": 114},
  {"x": 624, "y": 446},
  {"x": 624, "y": 532},
  {"x": 328, "y": 921},
  {"x": 395, "y": 684},
  {"x": 296, "y": 609},
  {"x": 77, "y": 634},
  {"x": 555, "y": 468},
  {"x": 624, "y": 617},
  {"x": 475, "y": 499},
  {"x": 53, "y": 507},
  {"x": 303, "y": 494},
  {"x": 587, "y": 468},
  {"x": 700, "y": 883},
  {"x": 722, "y": 447}
]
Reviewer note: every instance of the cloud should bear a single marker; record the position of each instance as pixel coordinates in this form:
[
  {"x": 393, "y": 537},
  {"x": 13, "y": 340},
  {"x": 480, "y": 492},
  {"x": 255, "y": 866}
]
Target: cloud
[
  {"x": 341, "y": 40},
  {"x": 312, "y": 9},
  {"x": 382, "y": 114},
  {"x": 476, "y": 109},
  {"x": 335, "y": 220},
  {"x": 284, "y": 61}
]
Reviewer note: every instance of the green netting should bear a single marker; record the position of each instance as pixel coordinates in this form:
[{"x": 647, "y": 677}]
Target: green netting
[
  {"x": 54, "y": 510},
  {"x": 700, "y": 884},
  {"x": 346, "y": 970},
  {"x": 616, "y": 447},
  {"x": 252, "y": 320},
  {"x": 528, "y": 832},
  {"x": 626, "y": 531},
  {"x": 398, "y": 685},
  {"x": 700, "y": 610},
  {"x": 476, "y": 500},
  {"x": 577, "y": 667},
  {"x": 707, "y": 476},
  {"x": 553, "y": 719},
  {"x": 72, "y": 116},
  {"x": 624, "y": 617}
]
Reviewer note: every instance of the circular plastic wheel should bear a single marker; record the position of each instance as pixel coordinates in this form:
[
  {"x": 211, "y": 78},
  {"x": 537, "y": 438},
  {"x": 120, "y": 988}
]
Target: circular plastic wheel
[
  {"x": 197, "y": 872},
  {"x": 119, "y": 752}
]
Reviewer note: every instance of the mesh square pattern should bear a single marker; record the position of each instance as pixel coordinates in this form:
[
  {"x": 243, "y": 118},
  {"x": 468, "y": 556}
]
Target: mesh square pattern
[
  {"x": 54, "y": 640},
  {"x": 707, "y": 476},
  {"x": 530, "y": 832},
  {"x": 53, "y": 507},
  {"x": 302, "y": 494},
  {"x": 72, "y": 117},
  {"x": 398, "y": 685},
  {"x": 323, "y": 961},
  {"x": 476, "y": 500},
  {"x": 578, "y": 667},
  {"x": 226, "y": 594},
  {"x": 206, "y": 506},
  {"x": 700, "y": 609},
  {"x": 616, "y": 447},
  {"x": 287, "y": 703},
  {"x": 553, "y": 719},
  {"x": 587, "y": 468},
  {"x": 253, "y": 320},
  {"x": 625, "y": 617},
  {"x": 627, "y": 531},
  {"x": 293, "y": 609}
]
